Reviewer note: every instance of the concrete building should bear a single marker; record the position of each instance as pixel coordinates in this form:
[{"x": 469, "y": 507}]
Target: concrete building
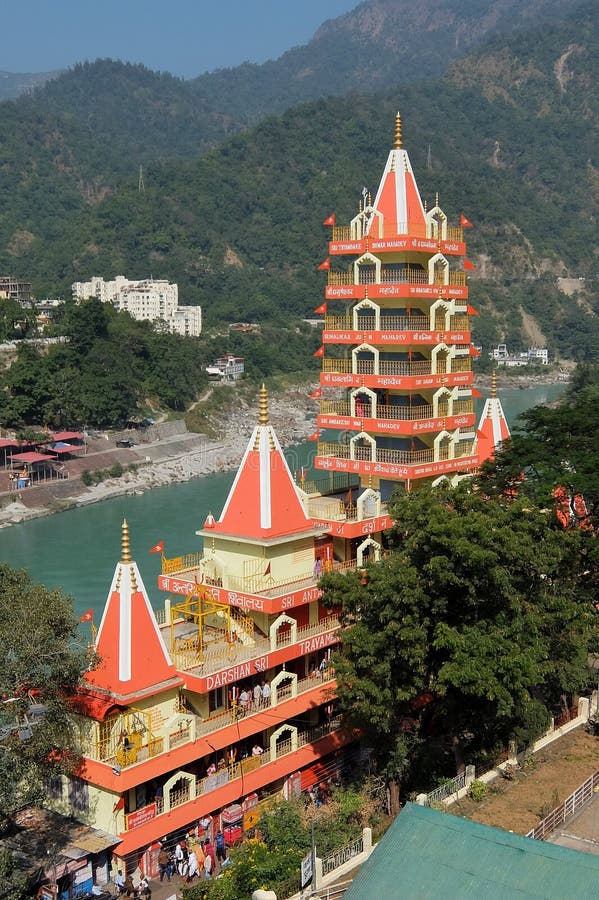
[{"x": 149, "y": 300}]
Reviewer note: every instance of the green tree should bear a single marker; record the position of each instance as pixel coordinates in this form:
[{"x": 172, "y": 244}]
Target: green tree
[
  {"x": 479, "y": 611},
  {"x": 41, "y": 662}
]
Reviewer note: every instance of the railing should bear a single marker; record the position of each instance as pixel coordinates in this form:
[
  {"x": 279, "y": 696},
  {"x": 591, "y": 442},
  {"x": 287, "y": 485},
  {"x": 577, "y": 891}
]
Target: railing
[
  {"x": 108, "y": 751},
  {"x": 331, "y": 483},
  {"x": 395, "y": 457},
  {"x": 341, "y": 856},
  {"x": 579, "y": 798},
  {"x": 225, "y": 653},
  {"x": 414, "y": 276},
  {"x": 396, "y": 367},
  {"x": 450, "y": 787},
  {"x": 343, "y": 232},
  {"x": 366, "y": 322},
  {"x": 238, "y": 770},
  {"x": 401, "y": 413},
  {"x": 181, "y": 563}
]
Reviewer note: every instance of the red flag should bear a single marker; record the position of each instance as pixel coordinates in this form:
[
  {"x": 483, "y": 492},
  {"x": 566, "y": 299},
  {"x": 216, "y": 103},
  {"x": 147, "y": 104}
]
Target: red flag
[
  {"x": 319, "y": 352},
  {"x": 321, "y": 310},
  {"x": 330, "y": 220},
  {"x": 317, "y": 394},
  {"x": 326, "y": 265},
  {"x": 267, "y": 570},
  {"x": 87, "y": 616},
  {"x": 464, "y": 222},
  {"x": 468, "y": 264},
  {"x": 476, "y": 392},
  {"x": 471, "y": 310},
  {"x": 473, "y": 351},
  {"x": 314, "y": 436},
  {"x": 158, "y": 548},
  {"x": 120, "y": 804}
]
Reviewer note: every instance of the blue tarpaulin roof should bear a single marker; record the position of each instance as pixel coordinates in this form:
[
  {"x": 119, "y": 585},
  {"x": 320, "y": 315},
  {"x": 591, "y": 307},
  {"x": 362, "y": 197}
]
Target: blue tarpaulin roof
[{"x": 428, "y": 854}]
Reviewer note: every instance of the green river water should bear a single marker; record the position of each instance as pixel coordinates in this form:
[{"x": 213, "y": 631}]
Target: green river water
[{"x": 78, "y": 549}]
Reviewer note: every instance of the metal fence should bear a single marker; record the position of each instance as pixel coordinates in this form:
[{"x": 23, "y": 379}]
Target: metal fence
[
  {"x": 341, "y": 856},
  {"x": 581, "y": 796},
  {"x": 450, "y": 787}
]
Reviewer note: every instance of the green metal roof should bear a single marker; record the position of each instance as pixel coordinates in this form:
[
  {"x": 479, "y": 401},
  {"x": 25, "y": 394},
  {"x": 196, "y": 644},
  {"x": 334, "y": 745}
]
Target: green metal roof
[{"x": 431, "y": 854}]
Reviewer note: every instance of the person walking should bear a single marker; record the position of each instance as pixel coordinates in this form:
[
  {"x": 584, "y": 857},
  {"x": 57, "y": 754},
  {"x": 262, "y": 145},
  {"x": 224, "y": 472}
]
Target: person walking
[{"x": 163, "y": 863}]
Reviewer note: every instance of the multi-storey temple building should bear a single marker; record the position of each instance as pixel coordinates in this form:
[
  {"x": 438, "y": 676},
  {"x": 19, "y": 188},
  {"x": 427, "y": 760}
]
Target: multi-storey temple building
[{"x": 193, "y": 714}]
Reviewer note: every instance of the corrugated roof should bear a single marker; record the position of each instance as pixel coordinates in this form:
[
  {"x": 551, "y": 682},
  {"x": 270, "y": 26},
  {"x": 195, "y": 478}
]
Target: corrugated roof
[{"x": 428, "y": 854}]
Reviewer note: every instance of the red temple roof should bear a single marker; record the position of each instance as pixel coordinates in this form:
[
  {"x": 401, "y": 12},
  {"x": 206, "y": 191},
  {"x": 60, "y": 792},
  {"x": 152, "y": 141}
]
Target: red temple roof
[
  {"x": 133, "y": 660},
  {"x": 264, "y": 502},
  {"x": 493, "y": 427},
  {"x": 398, "y": 199}
]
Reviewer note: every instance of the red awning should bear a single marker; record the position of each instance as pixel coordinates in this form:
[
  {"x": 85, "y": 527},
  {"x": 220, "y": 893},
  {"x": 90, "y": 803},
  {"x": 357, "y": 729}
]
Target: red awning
[
  {"x": 67, "y": 436},
  {"x": 30, "y": 457},
  {"x": 60, "y": 450},
  {"x": 7, "y": 442}
]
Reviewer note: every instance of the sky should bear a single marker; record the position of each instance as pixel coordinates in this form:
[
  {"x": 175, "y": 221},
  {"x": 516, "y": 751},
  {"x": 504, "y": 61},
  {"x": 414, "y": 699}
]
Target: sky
[{"x": 184, "y": 37}]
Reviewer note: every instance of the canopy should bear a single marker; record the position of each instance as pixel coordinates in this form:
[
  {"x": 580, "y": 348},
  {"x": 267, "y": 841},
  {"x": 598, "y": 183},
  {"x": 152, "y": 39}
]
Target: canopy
[
  {"x": 7, "y": 442},
  {"x": 31, "y": 457},
  {"x": 61, "y": 448},
  {"x": 67, "y": 436}
]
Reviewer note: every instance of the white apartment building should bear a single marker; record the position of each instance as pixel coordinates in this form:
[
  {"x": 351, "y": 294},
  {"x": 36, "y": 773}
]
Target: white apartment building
[{"x": 147, "y": 300}]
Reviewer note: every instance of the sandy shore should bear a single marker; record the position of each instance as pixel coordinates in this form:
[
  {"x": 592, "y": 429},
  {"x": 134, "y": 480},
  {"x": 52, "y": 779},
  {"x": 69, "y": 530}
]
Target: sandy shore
[{"x": 176, "y": 458}]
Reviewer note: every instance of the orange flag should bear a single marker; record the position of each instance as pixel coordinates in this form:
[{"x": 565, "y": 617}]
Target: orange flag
[
  {"x": 330, "y": 220},
  {"x": 471, "y": 310},
  {"x": 468, "y": 265},
  {"x": 316, "y": 394},
  {"x": 87, "y": 616},
  {"x": 314, "y": 436},
  {"x": 326, "y": 265},
  {"x": 158, "y": 548},
  {"x": 321, "y": 310},
  {"x": 319, "y": 352},
  {"x": 464, "y": 222}
]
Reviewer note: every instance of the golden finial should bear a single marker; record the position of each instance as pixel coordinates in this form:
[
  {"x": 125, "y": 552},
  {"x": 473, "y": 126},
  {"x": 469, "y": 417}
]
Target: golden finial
[
  {"x": 360, "y": 205},
  {"x": 392, "y": 167},
  {"x": 398, "y": 130},
  {"x": 125, "y": 546},
  {"x": 436, "y": 198},
  {"x": 263, "y": 407},
  {"x": 369, "y": 198},
  {"x": 133, "y": 580},
  {"x": 494, "y": 384},
  {"x": 425, "y": 206}
]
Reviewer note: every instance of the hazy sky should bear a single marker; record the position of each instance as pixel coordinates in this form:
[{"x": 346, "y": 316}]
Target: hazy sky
[{"x": 185, "y": 37}]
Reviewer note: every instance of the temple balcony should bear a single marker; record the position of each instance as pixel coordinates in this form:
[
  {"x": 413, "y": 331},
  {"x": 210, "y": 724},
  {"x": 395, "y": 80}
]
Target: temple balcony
[
  {"x": 396, "y": 420},
  {"x": 450, "y": 232},
  {"x": 377, "y": 372},
  {"x": 365, "y": 322},
  {"x": 217, "y": 648},
  {"x": 445, "y": 457},
  {"x": 187, "y": 797},
  {"x": 130, "y": 742},
  {"x": 396, "y": 276}
]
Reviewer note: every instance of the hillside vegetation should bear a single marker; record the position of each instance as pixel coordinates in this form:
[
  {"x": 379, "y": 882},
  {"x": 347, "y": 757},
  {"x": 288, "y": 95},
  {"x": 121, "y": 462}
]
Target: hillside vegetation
[{"x": 508, "y": 136}]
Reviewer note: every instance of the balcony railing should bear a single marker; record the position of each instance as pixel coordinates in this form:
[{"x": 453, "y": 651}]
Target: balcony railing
[
  {"x": 366, "y": 322},
  {"x": 143, "y": 745},
  {"x": 397, "y": 367},
  {"x": 394, "y": 457},
  {"x": 334, "y": 510},
  {"x": 401, "y": 413},
  {"x": 413, "y": 276},
  {"x": 230, "y": 773},
  {"x": 454, "y": 232},
  {"x": 224, "y": 653}
]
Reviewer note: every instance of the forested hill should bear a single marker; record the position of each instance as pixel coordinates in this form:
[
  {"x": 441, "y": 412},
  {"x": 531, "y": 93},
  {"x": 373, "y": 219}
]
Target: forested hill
[
  {"x": 512, "y": 134},
  {"x": 378, "y": 44}
]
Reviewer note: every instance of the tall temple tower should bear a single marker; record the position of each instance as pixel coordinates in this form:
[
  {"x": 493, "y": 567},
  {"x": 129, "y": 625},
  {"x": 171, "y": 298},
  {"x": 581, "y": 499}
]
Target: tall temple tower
[{"x": 397, "y": 342}]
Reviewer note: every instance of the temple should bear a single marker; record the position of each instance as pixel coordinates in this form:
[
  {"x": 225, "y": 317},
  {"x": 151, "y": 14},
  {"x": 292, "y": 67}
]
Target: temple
[
  {"x": 226, "y": 697},
  {"x": 193, "y": 716},
  {"x": 396, "y": 388}
]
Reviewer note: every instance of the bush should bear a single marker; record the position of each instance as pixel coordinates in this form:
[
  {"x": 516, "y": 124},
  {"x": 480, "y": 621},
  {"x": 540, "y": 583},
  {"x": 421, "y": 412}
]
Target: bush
[
  {"x": 115, "y": 471},
  {"x": 87, "y": 478},
  {"x": 478, "y": 790}
]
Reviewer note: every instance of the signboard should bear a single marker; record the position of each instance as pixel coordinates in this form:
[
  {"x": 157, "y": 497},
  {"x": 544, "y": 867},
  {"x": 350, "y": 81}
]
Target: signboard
[
  {"x": 307, "y": 870},
  {"x": 141, "y": 816}
]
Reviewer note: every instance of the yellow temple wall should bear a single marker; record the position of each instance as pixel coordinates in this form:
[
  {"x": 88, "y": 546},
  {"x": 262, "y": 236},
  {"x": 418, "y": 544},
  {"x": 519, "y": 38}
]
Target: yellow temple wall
[{"x": 239, "y": 561}]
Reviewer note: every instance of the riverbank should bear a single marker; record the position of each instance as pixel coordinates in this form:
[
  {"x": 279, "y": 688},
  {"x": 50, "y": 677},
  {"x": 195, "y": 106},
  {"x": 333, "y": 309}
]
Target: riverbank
[
  {"x": 169, "y": 454},
  {"x": 160, "y": 457}
]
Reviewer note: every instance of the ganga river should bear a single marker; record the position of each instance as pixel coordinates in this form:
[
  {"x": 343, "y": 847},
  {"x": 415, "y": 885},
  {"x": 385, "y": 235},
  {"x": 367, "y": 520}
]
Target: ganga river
[{"x": 78, "y": 549}]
